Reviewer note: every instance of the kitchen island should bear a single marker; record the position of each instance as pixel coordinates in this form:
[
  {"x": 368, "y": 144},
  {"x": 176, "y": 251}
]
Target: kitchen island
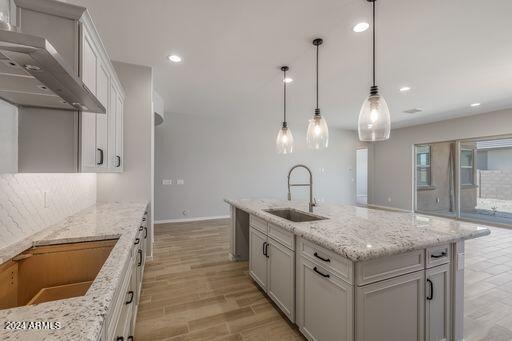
[{"x": 355, "y": 273}]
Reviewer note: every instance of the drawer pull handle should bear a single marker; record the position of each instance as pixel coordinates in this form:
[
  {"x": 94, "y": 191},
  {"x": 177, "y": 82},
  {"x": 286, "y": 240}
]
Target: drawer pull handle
[
  {"x": 131, "y": 297},
  {"x": 140, "y": 257},
  {"x": 441, "y": 255},
  {"x": 263, "y": 251},
  {"x": 266, "y": 249},
  {"x": 321, "y": 274},
  {"x": 145, "y": 232},
  {"x": 118, "y": 158},
  {"x": 137, "y": 241},
  {"x": 141, "y": 228},
  {"x": 120, "y": 338},
  {"x": 130, "y": 338},
  {"x": 321, "y": 258},
  {"x": 431, "y": 294}
]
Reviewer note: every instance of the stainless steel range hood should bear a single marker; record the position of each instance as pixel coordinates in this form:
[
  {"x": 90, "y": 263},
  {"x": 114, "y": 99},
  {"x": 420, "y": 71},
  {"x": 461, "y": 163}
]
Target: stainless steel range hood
[{"x": 32, "y": 73}]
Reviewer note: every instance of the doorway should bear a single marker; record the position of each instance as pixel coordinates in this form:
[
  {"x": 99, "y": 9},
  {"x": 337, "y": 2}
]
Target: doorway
[{"x": 362, "y": 176}]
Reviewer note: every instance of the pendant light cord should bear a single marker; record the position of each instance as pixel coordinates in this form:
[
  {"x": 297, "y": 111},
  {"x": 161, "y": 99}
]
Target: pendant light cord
[
  {"x": 317, "y": 48},
  {"x": 373, "y": 43},
  {"x": 284, "y": 97}
]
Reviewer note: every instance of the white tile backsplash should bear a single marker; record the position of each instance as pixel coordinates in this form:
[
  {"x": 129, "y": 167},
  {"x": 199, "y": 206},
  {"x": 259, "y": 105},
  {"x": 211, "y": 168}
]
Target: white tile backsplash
[{"x": 24, "y": 210}]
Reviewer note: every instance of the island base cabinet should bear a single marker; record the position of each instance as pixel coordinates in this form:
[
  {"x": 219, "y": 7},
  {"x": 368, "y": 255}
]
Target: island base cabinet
[
  {"x": 392, "y": 309},
  {"x": 258, "y": 258},
  {"x": 281, "y": 277},
  {"x": 324, "y": 304},
  {"x": 272, "y": 266},
  {"x": 438, "y": 326}
]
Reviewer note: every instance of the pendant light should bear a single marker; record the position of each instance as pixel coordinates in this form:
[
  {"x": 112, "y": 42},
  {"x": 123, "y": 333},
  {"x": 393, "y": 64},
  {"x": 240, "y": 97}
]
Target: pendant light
[
  {"x": 318, "y": 132},
  {"x": 284, "y": 141},
  {"x": 374, "y": 120}
]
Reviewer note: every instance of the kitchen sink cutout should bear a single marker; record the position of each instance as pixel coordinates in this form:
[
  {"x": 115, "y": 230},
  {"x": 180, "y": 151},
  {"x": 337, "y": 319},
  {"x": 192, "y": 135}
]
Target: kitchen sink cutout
[
  {"x": 294, "y": 215},
  {"x": 52, "y": 272}
]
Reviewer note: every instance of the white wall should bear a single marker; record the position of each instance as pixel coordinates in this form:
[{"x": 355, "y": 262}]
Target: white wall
[
  {"x": 391, "y": 162},
  {"x": 220, "y": 157},
  {"x": 8, "y": 138},
  {"x": 134, "y": 184}
]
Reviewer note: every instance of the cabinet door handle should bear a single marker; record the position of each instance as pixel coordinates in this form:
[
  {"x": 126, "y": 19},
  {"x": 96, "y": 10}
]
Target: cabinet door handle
[
  {"x": 320, "y": 273},
  {"x": 141, "y": 228},
  {"x": 140, "y": 258},
  {"x": 131, "y": 297},
  {"x": 431, "y": 294},
  {"x": 118, "y": 158},
  {"x": 321, "y": 258},
  {"x": 129, "y": 338},
  {"x": 266, "y": 250},
  {"x": 120, "y": 338},
  {"x": 441, "y": 255},
  {"x": 137, "y": 241},
  {"x": 263, "y": 251},
  {"x": 101, "y": 156},
  {"x": 145, "y": 232}
]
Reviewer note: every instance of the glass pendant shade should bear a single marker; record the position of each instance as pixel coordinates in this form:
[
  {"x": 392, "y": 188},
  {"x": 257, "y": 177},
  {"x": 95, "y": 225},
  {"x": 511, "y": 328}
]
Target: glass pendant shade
[
  {"x": 374, "y": 119},
  {"x": 284, "y": 141},
  {"x": 318, "y": 133}
]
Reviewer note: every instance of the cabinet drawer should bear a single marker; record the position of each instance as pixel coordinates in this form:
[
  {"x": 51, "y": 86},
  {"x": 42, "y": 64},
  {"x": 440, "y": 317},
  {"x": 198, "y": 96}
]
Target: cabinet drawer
[
  {"x": 438, "y": 255},
  {"x": 284, "y": 237},
  {"x": 387, "y": 267},
  {"x": 258, "y": 223},
  {"x": 327, "y": 259},
  {"x": 117, "y": 310}
]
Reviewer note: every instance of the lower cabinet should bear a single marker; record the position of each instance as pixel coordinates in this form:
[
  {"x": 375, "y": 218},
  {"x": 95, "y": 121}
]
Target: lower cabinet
[
  {"x": 392, "y": 309},
  {"x": 438, "y": 312},
  {"x": 272, "y": 266},
  {"x": 324, "y": 303},
  {"x": 120, "y": 321}
]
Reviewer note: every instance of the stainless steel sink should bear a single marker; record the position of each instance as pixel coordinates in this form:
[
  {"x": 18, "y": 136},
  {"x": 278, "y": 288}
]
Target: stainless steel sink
[{"x": 294, "y": 215}]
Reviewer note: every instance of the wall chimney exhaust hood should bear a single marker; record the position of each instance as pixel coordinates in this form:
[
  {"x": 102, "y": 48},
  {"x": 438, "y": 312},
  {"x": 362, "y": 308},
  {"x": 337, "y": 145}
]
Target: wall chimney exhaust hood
[{"x": 32, "y": 73}]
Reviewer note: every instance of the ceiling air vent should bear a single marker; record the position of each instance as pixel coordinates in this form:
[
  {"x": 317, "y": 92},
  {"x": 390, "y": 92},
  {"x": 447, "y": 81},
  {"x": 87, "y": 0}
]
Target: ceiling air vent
[{"x": 413, "y": 111}]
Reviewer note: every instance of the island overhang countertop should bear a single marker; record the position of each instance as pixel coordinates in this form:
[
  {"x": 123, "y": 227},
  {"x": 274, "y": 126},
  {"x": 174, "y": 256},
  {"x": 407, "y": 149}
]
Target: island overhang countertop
[{"x": 361, "y": 233}]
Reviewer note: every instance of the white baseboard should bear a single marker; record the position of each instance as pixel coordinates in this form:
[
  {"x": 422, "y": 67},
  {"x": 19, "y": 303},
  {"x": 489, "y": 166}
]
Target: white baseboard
[
  {"x": 185, "y": 220},
  {"x": 388, "y": 208}
]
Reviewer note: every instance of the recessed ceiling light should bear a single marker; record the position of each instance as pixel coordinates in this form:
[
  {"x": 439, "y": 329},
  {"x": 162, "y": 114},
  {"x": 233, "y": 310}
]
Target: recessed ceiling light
[
  {"x": 360, "y": 27},
  {"x": 288, "y": 80},
  {"x": 405, "y": 88},
  {"x": 475, "y": 105},
  {"x": 174, "y": 58}
]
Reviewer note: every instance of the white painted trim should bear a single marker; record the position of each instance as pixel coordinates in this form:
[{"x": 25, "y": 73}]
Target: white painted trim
[
  {"x": 388, "y": 208},
  {"x": 185, "y": 220}
]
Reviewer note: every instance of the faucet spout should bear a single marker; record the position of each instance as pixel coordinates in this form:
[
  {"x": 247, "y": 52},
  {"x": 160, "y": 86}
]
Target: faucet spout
[{"x": 312, "y": 202}]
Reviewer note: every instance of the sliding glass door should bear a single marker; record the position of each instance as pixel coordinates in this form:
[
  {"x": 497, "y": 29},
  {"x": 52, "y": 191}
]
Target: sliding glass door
[
  {"x": 435, "y": 178},
  {"x": 469, "y": 179},
  {"x": 486, "y": 180}
]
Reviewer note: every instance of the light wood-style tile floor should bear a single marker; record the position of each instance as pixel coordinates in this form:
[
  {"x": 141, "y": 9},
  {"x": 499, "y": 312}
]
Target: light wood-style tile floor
[
  {"x": 488, "y": 287},
  {"x": 192, "y": 291}
]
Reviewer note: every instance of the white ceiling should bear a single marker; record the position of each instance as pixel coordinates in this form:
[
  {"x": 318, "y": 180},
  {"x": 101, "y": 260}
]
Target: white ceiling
[{"x": 451, "y": 52}]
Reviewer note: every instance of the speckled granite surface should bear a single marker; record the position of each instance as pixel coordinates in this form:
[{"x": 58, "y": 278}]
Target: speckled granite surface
[
  {"x": 81, "y": 318},
  {"x": 359, "y": 233}
]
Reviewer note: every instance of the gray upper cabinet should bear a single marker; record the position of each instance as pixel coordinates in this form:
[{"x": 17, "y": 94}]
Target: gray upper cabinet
[{"x": 35, "y": 139}]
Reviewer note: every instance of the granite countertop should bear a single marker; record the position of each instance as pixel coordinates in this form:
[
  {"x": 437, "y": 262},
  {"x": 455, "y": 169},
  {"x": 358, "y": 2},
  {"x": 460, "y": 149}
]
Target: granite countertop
[
  {"x": 360, "y": 233},
  {"x": 81, "y": 318}
]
